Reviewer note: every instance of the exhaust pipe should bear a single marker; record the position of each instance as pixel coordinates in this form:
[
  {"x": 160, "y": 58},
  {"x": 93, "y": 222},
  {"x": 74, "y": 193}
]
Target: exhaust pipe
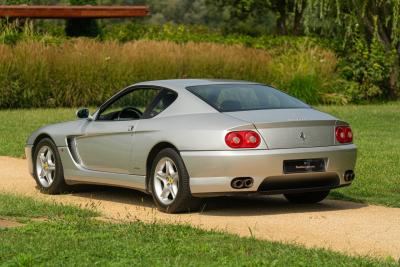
[
  {"x": 349, "y": 175},
  {"x": 237, "y": 183},
  {"x": 248, "y": 182},
  {"x": 242, "y": 182}
]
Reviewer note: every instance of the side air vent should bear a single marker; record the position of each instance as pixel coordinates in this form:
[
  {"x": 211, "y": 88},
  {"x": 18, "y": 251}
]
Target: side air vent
[{"x": 73, "y": 150}]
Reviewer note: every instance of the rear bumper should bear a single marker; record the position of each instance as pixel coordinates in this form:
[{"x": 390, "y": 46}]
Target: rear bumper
[{"x": 211, "y": 172}]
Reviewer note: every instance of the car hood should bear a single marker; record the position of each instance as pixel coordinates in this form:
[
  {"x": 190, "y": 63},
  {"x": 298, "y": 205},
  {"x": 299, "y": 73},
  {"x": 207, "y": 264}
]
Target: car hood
[{"x": 58, "y": 131}]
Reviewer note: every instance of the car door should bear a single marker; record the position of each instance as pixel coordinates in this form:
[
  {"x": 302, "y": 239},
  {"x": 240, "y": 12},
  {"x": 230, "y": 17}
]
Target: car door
[
  {"x": 106, "y": 144},
  {"x": 147, "y": 133}
]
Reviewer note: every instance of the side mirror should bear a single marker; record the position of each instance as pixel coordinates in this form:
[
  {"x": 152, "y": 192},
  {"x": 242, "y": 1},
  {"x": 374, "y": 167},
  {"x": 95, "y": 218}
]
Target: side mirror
[{"x": 83, "y": 113}]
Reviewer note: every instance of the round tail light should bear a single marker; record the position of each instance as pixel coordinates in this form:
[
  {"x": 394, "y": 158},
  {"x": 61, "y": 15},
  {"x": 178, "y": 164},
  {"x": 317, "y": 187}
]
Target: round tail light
[
  {"x": 242, "y": 139},
  {"x": 344, "y": 134}
]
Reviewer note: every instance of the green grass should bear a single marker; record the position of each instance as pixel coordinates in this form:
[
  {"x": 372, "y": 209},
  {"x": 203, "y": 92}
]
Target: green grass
[
  {"x": 376, "y": 129},
  {"x": 377, "y": 136},
  {"x": 83, "y": 241},
  {"x": 24, "y": 207},
  {"x": 16, "y": 126}
]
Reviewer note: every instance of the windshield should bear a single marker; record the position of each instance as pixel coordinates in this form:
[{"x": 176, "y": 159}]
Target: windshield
[{"x": 240, "y": 97}]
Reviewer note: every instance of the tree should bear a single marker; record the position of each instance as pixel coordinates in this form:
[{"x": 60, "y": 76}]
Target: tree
[
  {"x": 179, "y": 11},
  {"x": 82, "y": 27},
  {"x": 370, "y": 21},
  {"x": 285, "y": 12},
  {"x": 298, "y": 8},
  {"x": 381, "y": 19}
]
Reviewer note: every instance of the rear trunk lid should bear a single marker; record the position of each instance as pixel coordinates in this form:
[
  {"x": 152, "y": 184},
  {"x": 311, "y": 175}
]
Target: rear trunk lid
[{"x": 291, "y": 128}]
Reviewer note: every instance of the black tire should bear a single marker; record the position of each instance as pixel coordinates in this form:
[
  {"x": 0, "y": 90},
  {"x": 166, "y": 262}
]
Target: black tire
[
  {"x": 307, "y": 198},
  {"x": 184, "y": 201},
  {"x": 58, "y": 185}
]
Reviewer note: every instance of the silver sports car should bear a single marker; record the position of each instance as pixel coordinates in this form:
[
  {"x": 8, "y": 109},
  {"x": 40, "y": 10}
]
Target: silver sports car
[{"x": 181, "y": 140}]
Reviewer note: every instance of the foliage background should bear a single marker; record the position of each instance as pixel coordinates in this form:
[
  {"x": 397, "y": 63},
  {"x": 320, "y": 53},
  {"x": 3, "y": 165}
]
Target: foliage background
[
  {"x": 85, "y": 72},
  {"x": 356, "y": 42}
]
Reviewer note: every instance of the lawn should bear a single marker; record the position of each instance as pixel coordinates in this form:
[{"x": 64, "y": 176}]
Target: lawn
[
  {"x": 72, "y": 237},
  {"x": 17, "y": 125},
  {"x": 377, "y": 136},
  {"x": 376, "y": 129},
  {"x": 22, "y": 208}
]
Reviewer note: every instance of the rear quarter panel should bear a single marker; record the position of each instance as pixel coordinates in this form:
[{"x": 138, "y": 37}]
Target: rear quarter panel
[{"x": 195, "y": 132}]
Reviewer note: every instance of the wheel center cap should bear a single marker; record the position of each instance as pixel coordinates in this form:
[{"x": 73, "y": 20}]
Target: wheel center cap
[
  {"x": 46, "y": 166},
  {"x": 170, "y": 180}
]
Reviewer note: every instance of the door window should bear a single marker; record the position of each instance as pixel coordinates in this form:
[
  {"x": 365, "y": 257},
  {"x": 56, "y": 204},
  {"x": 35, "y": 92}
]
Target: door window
[{"x": 130, "y": 106}]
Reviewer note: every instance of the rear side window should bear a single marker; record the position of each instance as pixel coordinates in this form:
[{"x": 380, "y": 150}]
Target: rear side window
[
  {"x": 164, "y": 100},
  {"x": 241, "y": 97}
]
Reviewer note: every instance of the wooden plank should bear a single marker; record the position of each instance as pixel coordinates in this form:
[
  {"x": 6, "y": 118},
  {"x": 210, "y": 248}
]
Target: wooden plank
[{"x": 62, "y": 12}]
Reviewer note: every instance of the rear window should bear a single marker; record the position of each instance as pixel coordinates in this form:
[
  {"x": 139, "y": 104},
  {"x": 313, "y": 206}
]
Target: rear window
[{"x": 240, "y": 97}]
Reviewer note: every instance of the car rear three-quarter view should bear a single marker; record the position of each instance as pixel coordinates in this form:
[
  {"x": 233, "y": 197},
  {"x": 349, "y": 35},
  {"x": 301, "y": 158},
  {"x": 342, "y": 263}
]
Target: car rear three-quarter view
[
  {"x": 282, "y": 146},
  {"x": 182, "y": 140}
]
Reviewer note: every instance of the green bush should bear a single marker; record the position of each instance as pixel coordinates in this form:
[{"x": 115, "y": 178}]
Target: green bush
[
  {"x": 305, "y": 88},
  {"x": 12, "y": 32},
  {"x": 367, "y": 66},
  {"x": 125, "y": 32},
  {"x": 86, "y": 72},
  {"x": 298, "y": 65}
]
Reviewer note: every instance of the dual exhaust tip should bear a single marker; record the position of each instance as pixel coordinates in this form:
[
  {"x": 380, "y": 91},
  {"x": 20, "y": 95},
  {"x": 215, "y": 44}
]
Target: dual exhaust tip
[
  {"x": 242, "y": 182},
  {"x": 349, "y": 175}
]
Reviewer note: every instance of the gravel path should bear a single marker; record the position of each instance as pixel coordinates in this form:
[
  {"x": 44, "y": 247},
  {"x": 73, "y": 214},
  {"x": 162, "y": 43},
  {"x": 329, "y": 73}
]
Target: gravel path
[{"x": 348, "y": 227}]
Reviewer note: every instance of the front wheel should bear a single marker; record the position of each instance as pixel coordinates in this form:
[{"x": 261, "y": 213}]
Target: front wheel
[
  {"x": 307, "y": 198},
  {"x": 169, "y": 183},
  {"x": 48, "y": 170}
]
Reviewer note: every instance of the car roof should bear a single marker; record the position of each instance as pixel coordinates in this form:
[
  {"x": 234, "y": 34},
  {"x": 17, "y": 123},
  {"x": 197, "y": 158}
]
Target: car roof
[
  {"x": 187, "y": 102},
  {"x": 181, "y": 84}
]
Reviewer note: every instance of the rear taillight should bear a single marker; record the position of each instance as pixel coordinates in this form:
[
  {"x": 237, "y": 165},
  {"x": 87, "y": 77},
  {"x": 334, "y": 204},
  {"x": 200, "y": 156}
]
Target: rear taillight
[
  {"x": 344, "y": 134},
  {"x": 242, "y": 139}
]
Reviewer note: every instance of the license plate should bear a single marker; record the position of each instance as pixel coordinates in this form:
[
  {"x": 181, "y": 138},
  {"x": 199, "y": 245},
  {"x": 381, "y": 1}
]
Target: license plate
[{"x": 303, "y": 165}]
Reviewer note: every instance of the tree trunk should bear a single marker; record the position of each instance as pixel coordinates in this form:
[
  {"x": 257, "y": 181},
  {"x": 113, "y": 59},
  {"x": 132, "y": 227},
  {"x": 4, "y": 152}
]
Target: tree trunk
[
  {"x": 394, "y": 77},
  {"x": 298, "y": 16},
  {"x": 281, "y": 21},
  {"x": 392, "y": 83}
]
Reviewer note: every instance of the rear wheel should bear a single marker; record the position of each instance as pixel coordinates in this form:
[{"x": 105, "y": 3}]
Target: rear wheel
[
  {"x": 48, "y": 170},
  {"x": 310, "y": 197},
  {"x": 169, "y": 183}
]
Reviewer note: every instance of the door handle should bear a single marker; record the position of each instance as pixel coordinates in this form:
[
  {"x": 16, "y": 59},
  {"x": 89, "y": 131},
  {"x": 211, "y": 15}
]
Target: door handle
[{"x": 131, "y": 128}]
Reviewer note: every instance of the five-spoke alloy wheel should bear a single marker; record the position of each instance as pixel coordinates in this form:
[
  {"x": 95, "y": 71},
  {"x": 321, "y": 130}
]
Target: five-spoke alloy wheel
[
  {"x": 48, "y": 169},
  {"x": 166, "y": 182},
  {"x": 169, "y": 183},
  {"x": 45, "y": 166}
]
